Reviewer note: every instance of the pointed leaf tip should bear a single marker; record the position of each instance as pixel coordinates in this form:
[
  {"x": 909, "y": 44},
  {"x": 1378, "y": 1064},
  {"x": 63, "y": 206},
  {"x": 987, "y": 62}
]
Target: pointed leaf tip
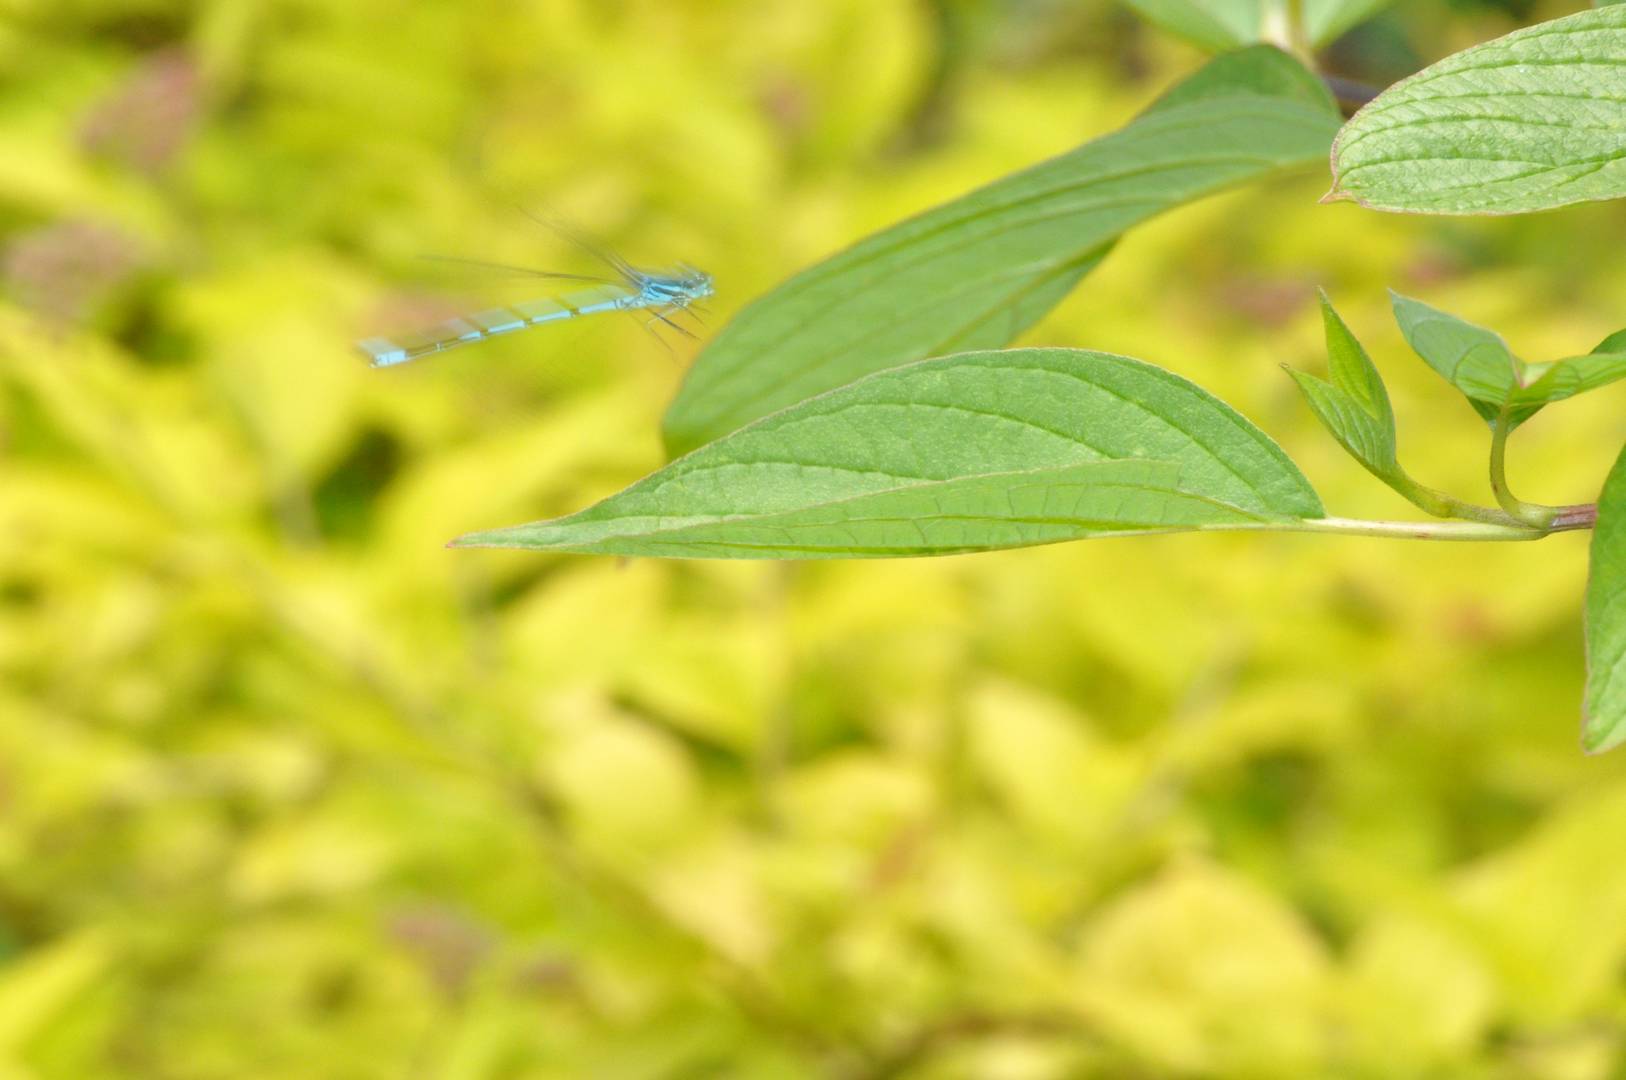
[{"x": 1352, "y": 402}]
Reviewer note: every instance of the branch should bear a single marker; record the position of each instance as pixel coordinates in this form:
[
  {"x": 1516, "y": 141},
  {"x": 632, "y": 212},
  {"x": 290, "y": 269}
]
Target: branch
[
  {"x": 1537, "y": 517},
  {"x": 1351, "y": 95}
]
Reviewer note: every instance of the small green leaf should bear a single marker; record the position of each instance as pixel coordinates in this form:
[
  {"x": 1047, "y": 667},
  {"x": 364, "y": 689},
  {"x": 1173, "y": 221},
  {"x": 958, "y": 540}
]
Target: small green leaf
[
  {"x": 1530, "y": 121},
  {"x": 1605, "y": 726},
  {"x": 1353, "y": 371},
  {"x": 1566, "y": 378},
  {"x": 982, "y": 269},
  {"x": 1325, "y": 20},
  {"x": 1355, "y": 429},
  {"x": 1479, "y": 363},
  {"x": 1213, "y": 24},
  {"x": 1474, "y": 360},
  {"x": 1354, "y": 404},
  {"x": 965, "y": 453}
]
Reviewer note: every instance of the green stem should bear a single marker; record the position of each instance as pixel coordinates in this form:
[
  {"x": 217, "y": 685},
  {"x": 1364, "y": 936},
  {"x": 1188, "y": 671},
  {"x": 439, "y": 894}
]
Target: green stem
[
  {"x": 1420, "y": 530},
  {"x": 1439, "y": 504},
  {"x": 1539, "y": 517},
  {"x": 1351, "y": 95}
]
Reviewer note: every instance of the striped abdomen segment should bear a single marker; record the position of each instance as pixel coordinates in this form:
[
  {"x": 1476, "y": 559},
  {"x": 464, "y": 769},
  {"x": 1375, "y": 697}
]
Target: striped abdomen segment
[{"x": 468, "y": 329}]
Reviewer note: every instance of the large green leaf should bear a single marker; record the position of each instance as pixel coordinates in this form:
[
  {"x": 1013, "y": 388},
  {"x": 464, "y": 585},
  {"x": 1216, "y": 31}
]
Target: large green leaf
[
  {"x": 1477, "y": 362},
  {"x": 1605, "y": 726},
  {"x": 1352, "y": 402},
  {"x": 1214, "y": 24},
  {"x": 980, "y": 270},
  {"x": 964, "y": 453},
  {"x": 1530, "y": 121}
]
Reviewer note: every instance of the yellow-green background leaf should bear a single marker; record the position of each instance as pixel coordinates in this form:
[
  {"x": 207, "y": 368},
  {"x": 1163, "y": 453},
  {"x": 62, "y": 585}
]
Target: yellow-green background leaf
[
  {"x": 1216, "y": 24},
  {"x": 288, "y": 789},
  {"x": 1324, "y": 20}
]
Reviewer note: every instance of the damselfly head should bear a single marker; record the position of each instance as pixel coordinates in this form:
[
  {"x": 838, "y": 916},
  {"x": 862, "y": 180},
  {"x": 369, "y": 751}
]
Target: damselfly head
[{"x": 695, "y": 281}]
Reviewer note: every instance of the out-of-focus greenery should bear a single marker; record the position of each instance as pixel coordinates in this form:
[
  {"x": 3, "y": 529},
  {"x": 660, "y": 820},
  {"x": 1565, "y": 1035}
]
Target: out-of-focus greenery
[{"x": 289, "y": 790}]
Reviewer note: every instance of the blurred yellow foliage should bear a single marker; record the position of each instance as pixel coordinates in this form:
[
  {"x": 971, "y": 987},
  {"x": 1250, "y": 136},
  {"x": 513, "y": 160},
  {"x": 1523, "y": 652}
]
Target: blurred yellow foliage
[{"x": 289, "y": 790}]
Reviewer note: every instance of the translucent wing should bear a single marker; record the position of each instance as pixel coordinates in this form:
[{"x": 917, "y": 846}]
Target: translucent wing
[{"x": 521, "y": 271}]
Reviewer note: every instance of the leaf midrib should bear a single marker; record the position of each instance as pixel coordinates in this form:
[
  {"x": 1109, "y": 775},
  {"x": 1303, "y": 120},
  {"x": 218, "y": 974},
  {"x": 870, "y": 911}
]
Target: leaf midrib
[{"x": 706, "y": 521}]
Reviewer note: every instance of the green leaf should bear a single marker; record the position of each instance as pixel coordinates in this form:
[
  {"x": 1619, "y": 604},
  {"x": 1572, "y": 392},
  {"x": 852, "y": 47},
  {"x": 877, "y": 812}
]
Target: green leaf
[
  {"x": 982, "y": 269},
  {"x": 1605, "y": 725},
  {"x": 1615, "y": 342},
  {"x": 1325, "y": 20},
  {"x": 1213, "y": 24},
  {"x": 1474, "y": 360},
  {"x": 1353, "y": 403},
  {"x": 1566, "y": 378},
  {"x": 1478, "y": 363},
  {"x": 1530, "y": 121},
  {"x": 964, "y": 453}
]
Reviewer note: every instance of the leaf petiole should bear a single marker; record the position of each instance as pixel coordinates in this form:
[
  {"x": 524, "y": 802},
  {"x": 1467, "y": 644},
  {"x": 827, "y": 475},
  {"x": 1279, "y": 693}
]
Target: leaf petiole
[
  {"x": 1438, "y": 504},
  {"x": 1538, "y": 517},
  {"x": 1418, "y": 530}
]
